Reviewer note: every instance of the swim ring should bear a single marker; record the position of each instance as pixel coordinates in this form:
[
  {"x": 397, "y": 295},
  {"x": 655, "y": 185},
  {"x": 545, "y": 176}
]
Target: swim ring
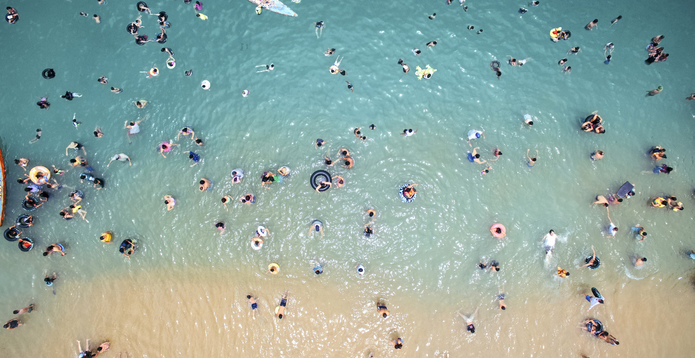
[
  {"x": 502, "y": 231},
  {"x": 596, "y": 293},
  {"x": 317, "y": 225},
  {"x": 257, "y": 243},
  {"x": 237, "y": 175},
  {"x": 360, "y": 269},
  {"x": 403, "y": 197},
  {"x": 599, "y": 326},
  {"x": 11, "y": 234},
  {"x": 284, "y": 171},
  {"x": 48, "y": 73},
  {"x": 426, "y": 72},
  {"x": 319, "y": 176},
  {"x": 24, "y": 220},
  {"x": 26, "y": 244},
  {"x": 29, "y": 205},
  {"x": 205, "y": 85},
  {"x": 495, "y": 65},
  {"x": 554, "y": 33},
  {"x": 106, "y": 236},
  {"x": 44, "y": 178},
  {"x": 141, "y": 5},
  {"x": 596, "y": 264},
  {"x": 659, "y": 202},
  {"x": 274, "y": 268}
]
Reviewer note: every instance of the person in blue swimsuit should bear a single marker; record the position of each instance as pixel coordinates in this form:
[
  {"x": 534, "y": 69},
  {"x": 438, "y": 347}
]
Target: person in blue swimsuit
[
  {"x": 254, "y": 305},
  {"x": 531, "y": 161},
  {"x": 194, "y": 157}
]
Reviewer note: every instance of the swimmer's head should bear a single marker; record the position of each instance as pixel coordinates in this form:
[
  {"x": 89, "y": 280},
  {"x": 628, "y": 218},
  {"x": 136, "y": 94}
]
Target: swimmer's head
[
  {"x": 280, "y": 316},
  {"x": 551, "y": 232}
]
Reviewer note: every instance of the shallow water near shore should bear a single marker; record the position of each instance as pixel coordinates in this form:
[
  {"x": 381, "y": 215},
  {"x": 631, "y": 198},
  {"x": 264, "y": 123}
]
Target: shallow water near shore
[{"x": 183, "y": 294}]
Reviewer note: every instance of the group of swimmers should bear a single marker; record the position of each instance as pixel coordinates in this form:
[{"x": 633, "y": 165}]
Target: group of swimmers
[{"x": 656, "y": 52}]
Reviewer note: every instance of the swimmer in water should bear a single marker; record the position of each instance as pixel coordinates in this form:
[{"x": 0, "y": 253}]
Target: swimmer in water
[
  {"x": 497, "y": 153},
  {"x": 97, "y": 18},
  {"x": 24, "y": 310},
  {"x": 324, "y": 184},
  {"x": 347, "y": 163},
  {"x": 335, "y": 69},
  {"x": 186, "y": 131},
  {"x": 327, "y": 160},
  {"x": 639, "y": 261},
  {"x": 350, "y": 86},
  {"x": 531, "y": 161},
  {"x": 116, "y": 90},
  {"x": 140, "y": 103},
  {"x": 616, "y": 19},
  {"x": 431, "y": 44},
  {"x": 43, "y": 103},
  {"x": 205, "y": 184},
  {"x": 590, "y": 26},
  {"x": 431, "y": 17},
  {"x": 36, "y": 137},
  {"x": 339, "y": 182},
  {"x": 226, "y": 199},
  {"x": 54, "y": 248},
  {"x": 654, "y": 92},
  {"x": 318, "y": 28},
  {"x": 253, "y": 305},
  {"x": 475, "y": 156},
  {"x": 280, "y": 309},
  {"x": 561, "y": 272},
  {"x": 121, "y": 158},
  {"x": 368, "y": 231},
  {"x": 329, "y": 52},
  {"x": 549, "y": 243},
  {"x": 500, "y": 301},
  {"x": 220, "y": 226},
  {"x": 248, "y": 199},
  {"x": 316, "y": 226},
  {"x": 103, "y": 80},
  {"x": 416, "y": 52},
  {"x": 469, "y": 321},
  {"x": 358, "y": 133},
  {"x": 319, "y": 142},
  {"x": 408, "y": 132},
  {"x": 562, "y": 62},
  {"x": 405, "y": 66},
  {"x": 597, "y": 155},
  {"x": 592, "y": 260},
  {"x": 166, "y": 147},
  {"x": 640, "y": 233},
  {"x": 574, "y": 50},
  {"x": 382, "y": 310},
  {"x": 170, "y": 202},
  {"x": 265, "y": 68},
  {"x": 567, "y": 69}
]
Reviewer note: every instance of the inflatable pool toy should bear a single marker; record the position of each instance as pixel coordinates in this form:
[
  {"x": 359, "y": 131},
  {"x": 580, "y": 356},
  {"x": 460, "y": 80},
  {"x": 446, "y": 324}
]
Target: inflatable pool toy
[
  {"x": 626, "y": 190},
  {"x": 284, "y": 171},
  {"x": 426, "y": 72},
  {"x": 12, "y": 234},
  {"x": 26, "y": 244},
  {"x": 595, "y": 265},
  {"x": 273, "y": 5},
  {"x": 659, "y": 202},
  {"x": 554, "y": 33},
  {"x": 402, "y": 195},
  {"x": 495, "y": 65},
  {"x": 257, "y": 243},
  {"x": 237, "y": 175},
  {"x": 29, "y": 204},
  {"x": 39, "y": 175},
  {"x": 360, "y": 269},
  {"x": 205, "y": 85},
  {"x": 498, "y": 231},
  {"x": 25, "y": 220},
  {"x": 48, "y": 73},
  {"x": 320, "y": 176},
  {"x": 599, "y": 326},
  {"x": 245, "y": 93},
  {"x": 106, "y": 236},
  {"x": 274, "y": 268}
]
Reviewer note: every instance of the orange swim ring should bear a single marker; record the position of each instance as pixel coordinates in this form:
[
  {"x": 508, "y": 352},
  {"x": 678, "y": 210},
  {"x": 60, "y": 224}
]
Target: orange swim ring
[{"x": 498, "y": 230}]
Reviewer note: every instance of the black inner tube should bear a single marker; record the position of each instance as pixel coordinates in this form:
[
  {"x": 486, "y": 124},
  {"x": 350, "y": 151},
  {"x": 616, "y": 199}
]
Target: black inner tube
[
  {"x": 319, "y": 176},
  {"x": 11, "y": 234},
  {"x": 25, "y": 249},
  {"x": 29, "y": 205},
  {"x": 140, "y": 5},
  {"x": 48, "y": 73},
  {"x": 596, "y": 263},
  {"x": 23, "y": 221}
]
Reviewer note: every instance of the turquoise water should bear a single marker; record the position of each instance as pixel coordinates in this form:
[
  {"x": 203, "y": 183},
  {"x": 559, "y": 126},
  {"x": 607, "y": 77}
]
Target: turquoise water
[{"x": 187, "y": 283}]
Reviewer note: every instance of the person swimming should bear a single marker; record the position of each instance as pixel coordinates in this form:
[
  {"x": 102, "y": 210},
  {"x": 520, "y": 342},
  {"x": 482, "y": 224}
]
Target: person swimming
[{"x": 549, "y": 242}]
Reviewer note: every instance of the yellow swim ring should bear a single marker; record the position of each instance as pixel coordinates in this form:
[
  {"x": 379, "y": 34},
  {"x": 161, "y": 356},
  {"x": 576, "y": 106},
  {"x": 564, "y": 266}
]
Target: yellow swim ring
[
  {"x": 106, "y": 236},
  {"x": 554, "y": 33},
  {"x": 422, "y": 72},
  {"x": 274, "y": 268},
  {"x": 39, "y": 179}
]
